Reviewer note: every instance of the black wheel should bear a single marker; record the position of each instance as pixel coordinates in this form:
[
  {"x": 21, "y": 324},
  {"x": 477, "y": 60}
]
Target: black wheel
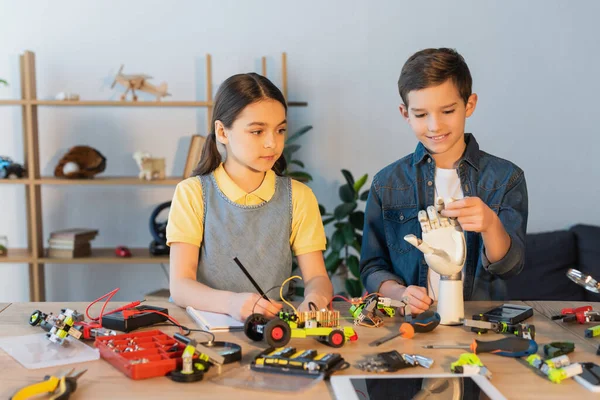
[
  {"x": 36, "y": 318},
  {"x": 336, "y": 338},
  {"x": 251, "y": 324},
  {"x": 277, "y": 333},
  {"x": 14, "y": 171}
]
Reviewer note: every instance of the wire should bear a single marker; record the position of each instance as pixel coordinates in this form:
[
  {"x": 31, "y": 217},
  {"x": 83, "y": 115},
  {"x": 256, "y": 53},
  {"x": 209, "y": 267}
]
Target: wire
[{"x": 281, "y": 292}]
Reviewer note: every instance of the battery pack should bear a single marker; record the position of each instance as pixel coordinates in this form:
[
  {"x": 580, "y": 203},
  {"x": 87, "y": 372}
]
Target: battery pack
[{"x": 118, "y": 322}]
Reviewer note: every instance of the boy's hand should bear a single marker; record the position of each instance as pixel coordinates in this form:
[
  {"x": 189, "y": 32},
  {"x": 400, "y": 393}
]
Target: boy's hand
[
  {"x": 472, "y": 214},
  {"x": 418, "y": 299},
  {"x": 242, "y": 305}
]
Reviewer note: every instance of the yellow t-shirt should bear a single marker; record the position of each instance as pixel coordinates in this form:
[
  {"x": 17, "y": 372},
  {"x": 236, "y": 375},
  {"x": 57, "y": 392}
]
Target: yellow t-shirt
[{"x": 187, "y": 210}]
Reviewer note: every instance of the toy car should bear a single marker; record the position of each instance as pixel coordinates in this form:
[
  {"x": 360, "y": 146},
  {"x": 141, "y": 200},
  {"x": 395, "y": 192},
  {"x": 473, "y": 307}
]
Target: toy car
[
  {"x": 322, "y": 325},
  {"x": 122, "y": 251},
  {"x": 9, "y": 169}
]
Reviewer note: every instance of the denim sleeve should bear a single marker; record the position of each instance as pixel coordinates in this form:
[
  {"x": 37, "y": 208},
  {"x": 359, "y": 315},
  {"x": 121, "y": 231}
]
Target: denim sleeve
[
  {"x": 375, "y": 264},
  {"x": 513, "y": 214}
]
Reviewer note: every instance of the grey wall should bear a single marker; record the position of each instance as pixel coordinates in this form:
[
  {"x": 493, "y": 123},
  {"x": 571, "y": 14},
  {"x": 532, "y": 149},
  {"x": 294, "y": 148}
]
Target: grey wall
[{"x": 534, "y": 66}]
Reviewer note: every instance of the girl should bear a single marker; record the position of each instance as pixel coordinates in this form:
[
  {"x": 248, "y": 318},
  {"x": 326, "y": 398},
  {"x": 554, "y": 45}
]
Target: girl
[{"x": 244, "y": 208}]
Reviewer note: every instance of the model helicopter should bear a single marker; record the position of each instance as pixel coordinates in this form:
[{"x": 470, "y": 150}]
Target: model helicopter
[{"x": 139, "y": 82}]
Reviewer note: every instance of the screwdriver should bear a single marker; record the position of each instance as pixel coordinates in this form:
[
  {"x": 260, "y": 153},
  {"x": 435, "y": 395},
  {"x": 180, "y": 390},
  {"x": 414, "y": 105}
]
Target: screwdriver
[
  {"x": 424, "y": 322},
  {"x": 508, "y": 347}
]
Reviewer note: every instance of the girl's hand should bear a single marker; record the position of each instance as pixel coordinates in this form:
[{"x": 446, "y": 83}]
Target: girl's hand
[
  {"x": 472, "y": 214},
  {"x": 319, "y": 300},
  {"x": 242, "y": 305}
]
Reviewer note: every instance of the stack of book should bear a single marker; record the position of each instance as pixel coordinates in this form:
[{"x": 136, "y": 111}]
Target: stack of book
[{"x": 71, "y": 243}]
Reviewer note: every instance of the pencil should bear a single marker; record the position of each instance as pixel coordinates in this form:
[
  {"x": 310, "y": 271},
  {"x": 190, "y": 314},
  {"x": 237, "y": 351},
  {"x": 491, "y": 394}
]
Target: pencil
[{"x": 245, "y": 271}]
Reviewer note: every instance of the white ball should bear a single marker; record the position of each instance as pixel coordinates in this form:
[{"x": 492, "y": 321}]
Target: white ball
[{"x": 70, "y": 168}]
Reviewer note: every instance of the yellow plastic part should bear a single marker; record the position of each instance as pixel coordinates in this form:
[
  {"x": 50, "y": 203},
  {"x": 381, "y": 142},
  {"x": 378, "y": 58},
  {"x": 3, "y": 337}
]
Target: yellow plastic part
[{"x": 47, "y": 386}]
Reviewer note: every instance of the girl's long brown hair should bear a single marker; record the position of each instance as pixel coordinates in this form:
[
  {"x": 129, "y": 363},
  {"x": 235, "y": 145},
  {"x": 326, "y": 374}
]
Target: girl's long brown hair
[{"x": 237, "y": 92}]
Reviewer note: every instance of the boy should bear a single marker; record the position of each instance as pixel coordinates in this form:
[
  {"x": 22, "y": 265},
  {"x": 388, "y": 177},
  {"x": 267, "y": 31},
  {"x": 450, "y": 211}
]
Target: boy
[{"x": 491, "y": 206}]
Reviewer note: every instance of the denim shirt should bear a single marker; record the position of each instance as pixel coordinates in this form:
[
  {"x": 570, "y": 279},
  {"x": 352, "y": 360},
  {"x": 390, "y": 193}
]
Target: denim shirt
[{"x": 402, "y": 189}]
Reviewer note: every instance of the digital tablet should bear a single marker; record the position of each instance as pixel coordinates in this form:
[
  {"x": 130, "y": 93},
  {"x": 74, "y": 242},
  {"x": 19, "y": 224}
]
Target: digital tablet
[{"x": 388, "y": 387}]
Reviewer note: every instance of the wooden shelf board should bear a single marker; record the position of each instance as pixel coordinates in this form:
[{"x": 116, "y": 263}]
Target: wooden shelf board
[
  {"x": 107, "y": 180},
  {"x": 20, "y": 181},
  {"x": 107, "y": 256},
  {"x": 17, "y": 256},
  {"x": 115, "y": 103},
  {"x": 11, "y": 102},
  {"x": 118, "y": 103}
]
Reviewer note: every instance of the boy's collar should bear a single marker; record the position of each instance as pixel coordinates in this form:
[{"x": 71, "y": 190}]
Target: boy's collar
[{"x": 471, "y": 154}]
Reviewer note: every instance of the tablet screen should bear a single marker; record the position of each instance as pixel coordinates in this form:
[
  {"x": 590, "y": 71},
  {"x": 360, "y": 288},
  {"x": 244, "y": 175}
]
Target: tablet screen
[{"x": 417, "y": 388}]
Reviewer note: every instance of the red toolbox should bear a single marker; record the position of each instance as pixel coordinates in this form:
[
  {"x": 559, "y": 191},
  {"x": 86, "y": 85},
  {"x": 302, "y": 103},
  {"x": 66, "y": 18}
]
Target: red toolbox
[{"x": 141, "y": 355}]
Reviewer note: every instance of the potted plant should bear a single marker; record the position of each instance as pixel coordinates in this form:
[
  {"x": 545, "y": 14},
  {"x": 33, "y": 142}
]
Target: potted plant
[
  {"x": 343, "y": 248},
  {"x": 288, "y": 152}
]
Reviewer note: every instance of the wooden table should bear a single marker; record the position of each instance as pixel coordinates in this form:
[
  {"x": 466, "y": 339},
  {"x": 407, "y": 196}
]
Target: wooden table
[
  {"x": 513, "y": 377},
  {"x": 4, "y": 306}
]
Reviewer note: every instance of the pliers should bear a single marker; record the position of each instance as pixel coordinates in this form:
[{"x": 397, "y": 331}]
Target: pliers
[{"x": 59, "y": 387}]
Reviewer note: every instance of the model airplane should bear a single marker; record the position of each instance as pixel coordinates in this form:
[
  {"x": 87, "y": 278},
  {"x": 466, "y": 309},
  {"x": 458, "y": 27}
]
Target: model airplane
[{"x": 139, "y": 82}]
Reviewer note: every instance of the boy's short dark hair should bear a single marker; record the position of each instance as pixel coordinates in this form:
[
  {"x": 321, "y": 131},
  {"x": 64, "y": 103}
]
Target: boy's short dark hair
[{"x": 432, "y": 67}]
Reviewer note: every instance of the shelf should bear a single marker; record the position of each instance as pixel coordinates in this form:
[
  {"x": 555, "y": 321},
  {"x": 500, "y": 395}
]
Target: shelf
[
  {"x": 107, "y": 256},
  {"x": 13, "y": 102},
  {"x": 17, "y": 256},
  {"x": 107, "y": 180},
  {"x": 20, "y": 181},
  {"x": 109, "y": 103}
]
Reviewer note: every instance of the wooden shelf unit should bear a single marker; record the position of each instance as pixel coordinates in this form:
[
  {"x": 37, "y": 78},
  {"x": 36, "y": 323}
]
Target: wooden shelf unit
[{"x": 35, "y": 254}]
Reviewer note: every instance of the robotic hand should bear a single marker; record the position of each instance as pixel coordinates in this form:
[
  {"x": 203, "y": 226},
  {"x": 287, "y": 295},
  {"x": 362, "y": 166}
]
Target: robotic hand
[{"x": 444, "y": 247}]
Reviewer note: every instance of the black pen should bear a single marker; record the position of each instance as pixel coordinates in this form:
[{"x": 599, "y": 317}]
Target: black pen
[{"x": 245, "y": 271}]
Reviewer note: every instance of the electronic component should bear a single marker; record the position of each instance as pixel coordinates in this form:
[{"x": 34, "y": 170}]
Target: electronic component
[
  {"x": 287, "y": 360},
  {"x": 509, "y": 313},
  {"x": 128, "y": 320}
]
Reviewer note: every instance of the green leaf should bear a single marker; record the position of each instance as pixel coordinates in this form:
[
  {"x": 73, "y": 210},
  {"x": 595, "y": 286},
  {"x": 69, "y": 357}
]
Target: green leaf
[
  {"x": 292, "y": 148},
  {"x": 357, "y": 219},
  {"x": 359, "y": 237},
  {"x": 299, "y": 133},
  {"x": 348, "y": 232},
  {"x": 353, "y": 287},
  {"x": 346, "y": 193},
  {"x": 357, "y": 246},
  {"x": 322, "y": 209},
  {"x": 364, "y": 195},
  {"x": 299, "y": 291},
  {"x": 2, "y": 81},
  {"x": 352, "y": 262},
  {"x": 300, "y": 176},
  {"x": 337, "y": 241},
  {"x": 343, "y": 210},
  {"x": 349, "y": 178},
  {"x": 298, "y": 163},
  {"x": 332, "y": 262},
  {"x": 328, "y": 220},
  {"x": 360, "y": 183}
]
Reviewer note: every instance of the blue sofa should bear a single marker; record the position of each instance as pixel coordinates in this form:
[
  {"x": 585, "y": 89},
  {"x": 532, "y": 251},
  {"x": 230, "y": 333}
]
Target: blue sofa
[{"x": 548, "y": 256}]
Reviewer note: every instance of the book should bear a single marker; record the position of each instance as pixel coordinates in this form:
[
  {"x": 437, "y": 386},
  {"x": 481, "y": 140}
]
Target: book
[
  {"x": 84, "y": 250},
  {"x": 194, "y": 153},
  {"x": 74, "y": 234},
  {"x": 214, "y": 322},
  {"x": 66, "y": 244}
]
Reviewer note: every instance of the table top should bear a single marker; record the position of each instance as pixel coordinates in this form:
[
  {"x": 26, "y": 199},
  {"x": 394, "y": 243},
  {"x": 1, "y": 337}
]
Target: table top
[
  {"x": 514, "y": 378},
  {"x": 4, "y": 306}
]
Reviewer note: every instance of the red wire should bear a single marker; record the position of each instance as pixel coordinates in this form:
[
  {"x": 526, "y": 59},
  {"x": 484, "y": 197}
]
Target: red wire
[
  {"x": 108, "y": 296},
  {"x": 161, "y": 313}
]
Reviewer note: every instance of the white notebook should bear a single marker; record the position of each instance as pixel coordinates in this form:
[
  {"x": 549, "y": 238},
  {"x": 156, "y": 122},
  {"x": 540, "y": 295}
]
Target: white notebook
[{"x": 214, "y": 322}]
